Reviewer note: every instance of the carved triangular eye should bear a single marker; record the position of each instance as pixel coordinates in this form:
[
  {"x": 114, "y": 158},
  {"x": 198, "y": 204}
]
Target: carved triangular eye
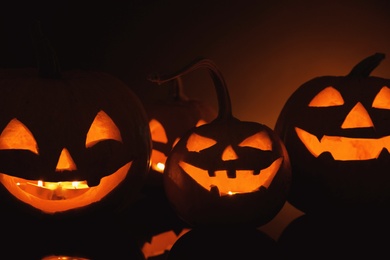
[
  {"x": 102, "y": 128},
  {"x": 260, "y": 140},
  {"x": 357, "y": 117},
  {"x": 17, "y": 136},
  {"x": 382, "y": 99},
  {"x": 157, "y": 131},
  {"x": 328, "y": 97},
  {"x": 197, "y": 143}
]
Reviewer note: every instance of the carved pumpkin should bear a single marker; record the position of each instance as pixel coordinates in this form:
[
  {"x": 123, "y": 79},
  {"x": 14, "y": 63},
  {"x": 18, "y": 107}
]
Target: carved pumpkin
[
  {"x": 336, "y": 130},
  {"x": 227, "y": 171},
  {"x": 169, "y": 119},
  {"x": 69, "y": 142}
]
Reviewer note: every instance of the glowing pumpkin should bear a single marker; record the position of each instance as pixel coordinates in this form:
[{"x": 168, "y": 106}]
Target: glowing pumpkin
[
  {"x": 227, "y": 172},
  {"x": 70, "y": 142},
  {"x": 169, "y": 119},
  {"x": 336, "y": 130}
]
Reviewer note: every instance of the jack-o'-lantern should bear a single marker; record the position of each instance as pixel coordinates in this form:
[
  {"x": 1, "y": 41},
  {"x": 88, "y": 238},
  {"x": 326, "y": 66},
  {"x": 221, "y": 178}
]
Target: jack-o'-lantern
[
  {"x": 336, "y": 131},
  {"x": 228, "y": 171},
  {"x": 70, "y": 142},
  {"x": 169, "y": 119}
]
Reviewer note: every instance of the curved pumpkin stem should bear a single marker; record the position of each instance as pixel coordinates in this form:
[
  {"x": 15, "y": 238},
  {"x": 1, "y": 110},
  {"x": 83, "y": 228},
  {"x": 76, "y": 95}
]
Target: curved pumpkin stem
[
  {"x": 224, "y": 103},
  {"x": 366, "y": 66},
  {"x": 48, "y": 64}
]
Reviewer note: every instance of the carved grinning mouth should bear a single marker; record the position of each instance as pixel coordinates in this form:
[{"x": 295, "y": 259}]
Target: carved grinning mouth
[
  {"x": 245, "y": 181},
  {"x": 344, "y": 148},
  {"x": 56, "y": 198}
]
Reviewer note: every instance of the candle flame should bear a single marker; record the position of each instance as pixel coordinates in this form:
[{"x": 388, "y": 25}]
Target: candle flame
[{"x": 160, "y": 166}]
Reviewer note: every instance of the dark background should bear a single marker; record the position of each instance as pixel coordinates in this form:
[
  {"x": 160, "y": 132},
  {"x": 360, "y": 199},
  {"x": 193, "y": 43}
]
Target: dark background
[{"x": 265, "y": 49}]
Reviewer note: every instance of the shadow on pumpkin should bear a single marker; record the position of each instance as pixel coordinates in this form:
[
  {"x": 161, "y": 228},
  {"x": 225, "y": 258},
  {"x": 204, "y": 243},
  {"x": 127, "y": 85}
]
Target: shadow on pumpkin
[
  {"x": 314, "y": 236},
  {"x": 224, "y": 243}
]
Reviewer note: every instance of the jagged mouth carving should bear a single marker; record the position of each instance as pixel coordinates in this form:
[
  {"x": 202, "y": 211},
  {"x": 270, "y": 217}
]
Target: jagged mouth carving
[
  {"x": 344, "y": 148},
  {"x": 246, "y": 181}
]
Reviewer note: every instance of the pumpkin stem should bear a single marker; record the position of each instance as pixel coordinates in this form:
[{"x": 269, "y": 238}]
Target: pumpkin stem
[
  {"x": 366, "y": 66},
  {"x": 224, "y": 103},
  {"x": 48, "y": 64}
]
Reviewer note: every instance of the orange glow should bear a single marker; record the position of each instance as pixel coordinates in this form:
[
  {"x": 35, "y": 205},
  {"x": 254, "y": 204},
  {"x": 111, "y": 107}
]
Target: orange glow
[
  {"x": 17, "y": 136},
  {"x": 161, "y": 243},
  {"x": 344, "y": 148},
  {"x": 157, "y": 131},
  {"x": 197, "y": 143},
  {"x": 229, "y": 154},
  {"x": 65, "y": 162},
  {"x": 357, "y": 117},
  {"x": 158, "y": 134},
  {"x": 102, "y": 128},
  {"x": 59, "y": 257},
  {"x": 158, "y": 160},
  {"x": 44, "y": 196},
  {"x": 329, "y": 96},
  {"x": 382, "y": 99},
  {"x": 53, "y": 190},
  {"x": 244, "y": 182},
  {"x": 52, "y": 197},
  {"x": 200, "y": 122},
  {"x": 259, "y": 140}
]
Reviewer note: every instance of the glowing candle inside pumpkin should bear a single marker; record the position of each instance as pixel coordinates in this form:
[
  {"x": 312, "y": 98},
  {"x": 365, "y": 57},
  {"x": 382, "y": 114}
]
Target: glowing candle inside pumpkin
[
  {"x": 54, "y": 190},
  {"x": 160, "y": 166}
]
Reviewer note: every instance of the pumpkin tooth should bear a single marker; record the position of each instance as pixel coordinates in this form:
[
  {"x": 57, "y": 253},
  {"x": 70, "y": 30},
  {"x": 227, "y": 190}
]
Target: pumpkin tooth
[
  {"x": 214, "y": 190},
  {"x": 384, "y": 154},
  {"x": 231, "y": 173},
  {"x": 256, "y": 171},
  {"x": 211, "y": 173},
  {"x": 93, "y": 182},
  {"x": 326, "y": 156}
]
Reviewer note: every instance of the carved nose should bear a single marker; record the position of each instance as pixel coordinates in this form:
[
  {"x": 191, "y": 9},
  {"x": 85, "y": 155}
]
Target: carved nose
[
  {"x": 229, "y": 154},
  {"x": 357, "y": 117},
  {"x": 65, "y": 162}
]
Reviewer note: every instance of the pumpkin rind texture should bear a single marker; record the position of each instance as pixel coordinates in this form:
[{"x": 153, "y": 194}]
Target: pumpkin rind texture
[
  {"x": 336, "y": 131},
  {"x": 84, "y": 126}
]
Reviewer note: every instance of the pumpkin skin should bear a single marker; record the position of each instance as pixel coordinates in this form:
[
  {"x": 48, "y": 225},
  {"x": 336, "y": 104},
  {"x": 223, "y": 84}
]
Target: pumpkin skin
[
  {"x": 92, "y": 121},
  {"x": 169, "y": 119},
  {"x": 228, "y": 171},
  {"x": 224, "y": 243},
  {"x": 335, "y": 129}
]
